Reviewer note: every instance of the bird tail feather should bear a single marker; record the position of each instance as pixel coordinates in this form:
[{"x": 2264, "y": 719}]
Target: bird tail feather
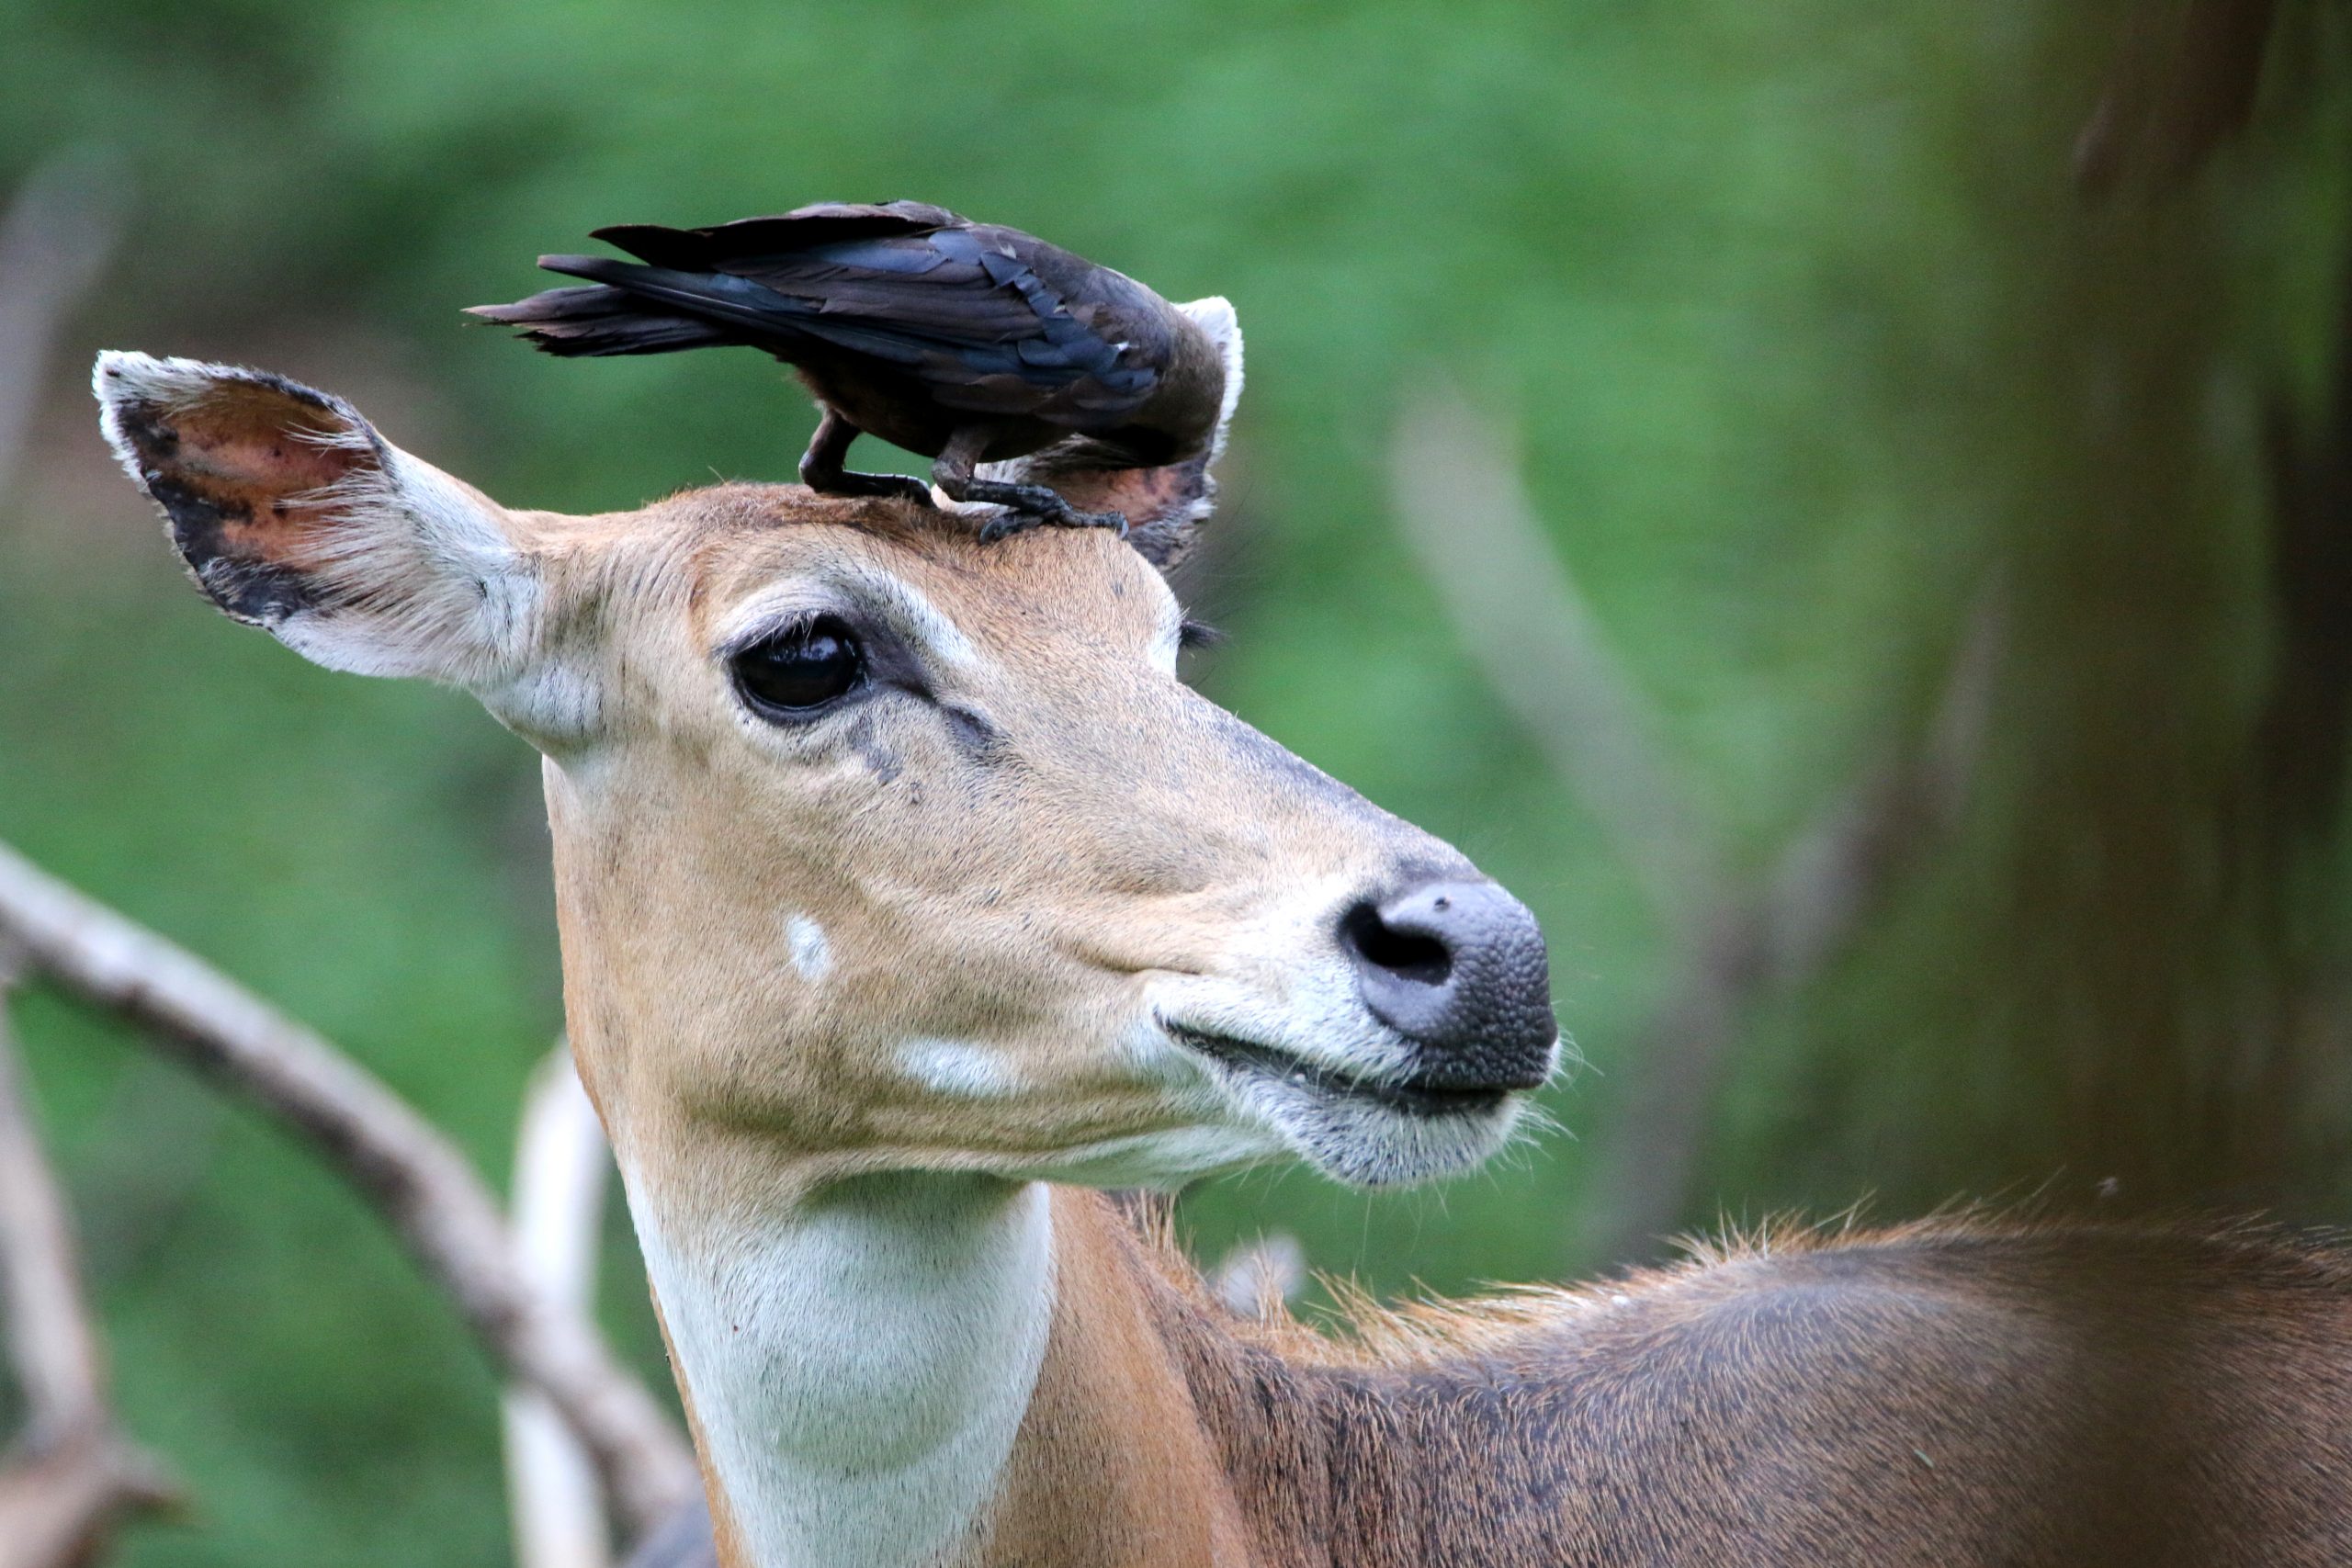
[{"x": 598, "y": 320}]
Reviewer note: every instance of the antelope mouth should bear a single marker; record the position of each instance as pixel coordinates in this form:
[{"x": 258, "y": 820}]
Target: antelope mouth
[{"x": 1408, "y": 1094}]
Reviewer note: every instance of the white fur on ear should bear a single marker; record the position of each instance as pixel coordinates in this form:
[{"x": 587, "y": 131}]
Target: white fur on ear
[
  {"x": 1215, "y": 316},
  {"x": 294, "y": 514}
]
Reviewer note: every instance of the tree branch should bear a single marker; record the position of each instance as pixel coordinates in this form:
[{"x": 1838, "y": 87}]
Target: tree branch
[
  {"x": 55, "y": 240},
  {"x": 1733, "y": 938},
  {"x": 1770, "y": 936},
  {"x": 561, "y": 1171},
  {"x": 1520, "y": 615},
  {"x": 395, "y": 1160},
  {"x": 71, "y": 1474}
]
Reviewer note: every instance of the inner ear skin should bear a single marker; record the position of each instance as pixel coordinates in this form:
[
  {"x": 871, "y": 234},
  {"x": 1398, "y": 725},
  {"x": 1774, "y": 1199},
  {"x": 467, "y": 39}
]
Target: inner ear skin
[{"x": 232, "y": 473}]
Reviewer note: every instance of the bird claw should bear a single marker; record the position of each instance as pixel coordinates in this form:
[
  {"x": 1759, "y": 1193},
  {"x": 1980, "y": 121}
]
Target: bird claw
[
  {"x": 1020, "y": 519},
  {"x": 1028, "y": 506},
  {"x": 849, "y": 482}
]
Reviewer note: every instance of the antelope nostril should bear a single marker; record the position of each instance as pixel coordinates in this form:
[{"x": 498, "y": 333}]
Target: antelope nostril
[
  {"x": 1459, "y": 969},
  {"x": 1407, "y": 954}
]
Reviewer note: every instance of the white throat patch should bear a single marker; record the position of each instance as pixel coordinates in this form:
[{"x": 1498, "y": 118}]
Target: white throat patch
[{"x": 860, "y": 1365}]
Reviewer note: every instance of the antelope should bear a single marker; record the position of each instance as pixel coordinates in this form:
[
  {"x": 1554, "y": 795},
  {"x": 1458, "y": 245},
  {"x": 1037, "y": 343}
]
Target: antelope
[{"x": 909, "y": 904}]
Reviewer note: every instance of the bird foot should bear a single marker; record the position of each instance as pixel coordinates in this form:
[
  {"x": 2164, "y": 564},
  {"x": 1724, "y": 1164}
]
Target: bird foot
[
  {"x": 1032, "y": 506},
  {"x": 850, "y": 481}
]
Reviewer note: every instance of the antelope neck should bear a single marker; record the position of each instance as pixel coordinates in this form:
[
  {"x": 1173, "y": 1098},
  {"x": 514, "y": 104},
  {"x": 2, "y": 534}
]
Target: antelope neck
[{"x": 858, "y": 1361}]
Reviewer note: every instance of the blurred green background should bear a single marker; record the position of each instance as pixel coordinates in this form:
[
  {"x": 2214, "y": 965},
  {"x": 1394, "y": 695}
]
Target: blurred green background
[{"x": 1938, "y": 412}]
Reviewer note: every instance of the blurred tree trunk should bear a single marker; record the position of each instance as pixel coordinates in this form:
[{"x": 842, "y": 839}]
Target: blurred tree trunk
[
  {"x": 2128, "y": 979},
  {"x": 2180, "y": 719}
]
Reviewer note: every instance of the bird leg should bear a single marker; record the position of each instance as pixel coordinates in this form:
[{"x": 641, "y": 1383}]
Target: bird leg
[
  {"x": 1025, "y": 506},
  {"x": 822, "y": 471}
]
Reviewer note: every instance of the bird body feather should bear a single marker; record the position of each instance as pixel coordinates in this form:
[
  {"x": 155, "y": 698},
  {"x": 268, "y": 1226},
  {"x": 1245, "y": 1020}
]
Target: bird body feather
[{"x": 910, "y": 321}]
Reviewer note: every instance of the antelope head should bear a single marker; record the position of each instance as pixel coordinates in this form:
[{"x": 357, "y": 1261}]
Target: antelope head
[{"x": 878, "y": 848}]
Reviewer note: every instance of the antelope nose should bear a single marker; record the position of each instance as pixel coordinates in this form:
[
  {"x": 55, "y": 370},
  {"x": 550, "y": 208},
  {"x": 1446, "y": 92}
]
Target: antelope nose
[{"x": 1459, "y": 968}]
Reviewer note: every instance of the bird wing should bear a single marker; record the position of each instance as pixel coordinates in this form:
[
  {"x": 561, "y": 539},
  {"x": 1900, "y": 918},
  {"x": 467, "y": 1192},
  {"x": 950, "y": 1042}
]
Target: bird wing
[{"x": 697, "y": 249}]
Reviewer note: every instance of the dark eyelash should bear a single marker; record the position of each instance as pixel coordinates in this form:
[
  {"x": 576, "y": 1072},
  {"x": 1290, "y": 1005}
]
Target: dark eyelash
[
  {"x": 768, "y": 631},
  {"x": 1197, "y": 634}
]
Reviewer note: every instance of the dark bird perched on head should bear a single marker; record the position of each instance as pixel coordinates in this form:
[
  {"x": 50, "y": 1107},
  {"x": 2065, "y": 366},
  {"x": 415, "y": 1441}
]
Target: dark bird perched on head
[{"x": 968, "y": 342}]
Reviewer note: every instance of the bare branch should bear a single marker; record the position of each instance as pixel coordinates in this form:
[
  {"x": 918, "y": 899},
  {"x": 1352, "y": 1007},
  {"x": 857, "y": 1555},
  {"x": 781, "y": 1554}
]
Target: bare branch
[
  {"x": 1518, "y": 613},
  {"x": 56, "y": 1506},
  {"x": 1734, "y": 938},
  {"x": 687, "y": 1540},
  {"x": 563, "y": 1169},
  {"x": 69, "y": 1475},
  {"x": 395, "y": 1160},
  {"x": 52, "y": 1344},
  {"x": 1833, "y": 874},
  {"x": 1772, "y": 939},
  {"x": 54, "y": 242}
]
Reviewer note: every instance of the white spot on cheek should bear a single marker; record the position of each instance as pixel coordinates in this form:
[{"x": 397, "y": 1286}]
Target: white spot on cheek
[
  {"x": 811, "y": 953},
  {"x": 953, "y": 1066}
]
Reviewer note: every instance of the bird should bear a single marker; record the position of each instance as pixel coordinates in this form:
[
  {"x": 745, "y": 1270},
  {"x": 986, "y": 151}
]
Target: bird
[{"x": 968, "y": 343}]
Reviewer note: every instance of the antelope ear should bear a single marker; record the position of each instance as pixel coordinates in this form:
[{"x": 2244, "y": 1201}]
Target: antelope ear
[
  {"x": 294, "y": 515},
  {"x": 1164, "y": 506}
]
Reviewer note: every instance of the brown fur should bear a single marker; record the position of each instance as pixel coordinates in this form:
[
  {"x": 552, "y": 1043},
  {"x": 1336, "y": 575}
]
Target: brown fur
[{"x": 1961, "y": 1390}]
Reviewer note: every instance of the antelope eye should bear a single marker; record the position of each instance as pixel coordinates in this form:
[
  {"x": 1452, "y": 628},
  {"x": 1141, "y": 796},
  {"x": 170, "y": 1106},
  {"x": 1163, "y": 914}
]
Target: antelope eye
[{"x": 799, "y": 669}]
